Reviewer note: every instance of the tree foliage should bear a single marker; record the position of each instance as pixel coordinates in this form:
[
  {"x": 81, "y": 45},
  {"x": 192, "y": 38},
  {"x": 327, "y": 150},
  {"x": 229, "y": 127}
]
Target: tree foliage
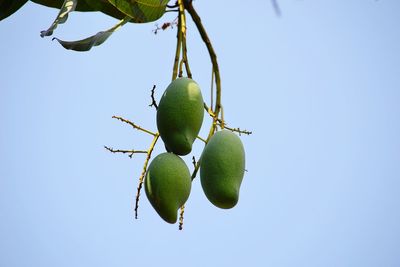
[{"x": 176, "y": 126}]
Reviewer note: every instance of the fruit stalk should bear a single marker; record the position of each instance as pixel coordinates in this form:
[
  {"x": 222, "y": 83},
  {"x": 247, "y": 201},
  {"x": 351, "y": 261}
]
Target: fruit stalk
[
  {"x": 178, "y": 50},
  {"x": 182, "y": 29}
]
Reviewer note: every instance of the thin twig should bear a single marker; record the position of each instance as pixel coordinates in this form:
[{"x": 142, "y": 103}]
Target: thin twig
[
  {"x": 194, "y": 161},
  {"x": 141, "y": 178},
  {"x": 153, "y": 100},
  {"x": 196, "y": 169},
  {"x": 134, "y": 125},
  {"x": 209, "y": 110},
  {"x": 171, "y": 10},
  {"x": 238, "y": 130},
  {"x": 172, "y": 6},
  {"x": 130, "y": 152},
  {"x": 202, "y": 139}
]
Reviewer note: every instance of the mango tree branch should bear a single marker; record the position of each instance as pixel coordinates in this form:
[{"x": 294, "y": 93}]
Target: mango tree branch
[
  {"x": 153, "y": 100},
  {"x": 141, "y": 178},
  {"x": 217, "y": 111},
  {"x": 130, "y": 152},
  {"x": 134, "y": 125},
  {"x": 213, "y": 56},
  {"x": 196, "y": 169},
  {"x": 238, "y": 130},
  {"x": 209, "y": 110},
  {"x": 202, "y": 139}
]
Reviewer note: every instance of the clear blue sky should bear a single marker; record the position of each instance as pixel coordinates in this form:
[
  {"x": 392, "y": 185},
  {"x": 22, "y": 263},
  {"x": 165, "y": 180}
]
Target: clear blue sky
[{"x": 319, "y": 87}]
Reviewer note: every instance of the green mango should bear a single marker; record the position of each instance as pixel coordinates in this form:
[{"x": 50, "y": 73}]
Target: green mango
[
  {"x": 167, "y": 185},
  {"x": 180, "y": 115},
  {"x": 222, "y": 169}
]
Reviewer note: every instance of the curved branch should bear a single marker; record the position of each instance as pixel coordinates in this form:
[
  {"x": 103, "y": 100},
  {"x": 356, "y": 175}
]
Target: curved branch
[
  {"x": 142, "y": 175},
  {"x": 213, "y": 56}
]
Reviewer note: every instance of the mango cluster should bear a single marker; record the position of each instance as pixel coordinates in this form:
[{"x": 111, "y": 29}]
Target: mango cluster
[{"x": 168, "y": 182}]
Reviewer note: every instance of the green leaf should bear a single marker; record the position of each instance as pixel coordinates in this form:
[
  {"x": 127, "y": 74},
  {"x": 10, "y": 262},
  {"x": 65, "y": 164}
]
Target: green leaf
[
  {"x": 141, "y": 10},
  {"x": 95, "y": 40},
  {"x": 81, "y": 6},
  {"x": 68, "y": 6},
  {"x": 86, "y": 6},
  {"x": 8, "y": 7},
  {"x": 106, "y": 7}
]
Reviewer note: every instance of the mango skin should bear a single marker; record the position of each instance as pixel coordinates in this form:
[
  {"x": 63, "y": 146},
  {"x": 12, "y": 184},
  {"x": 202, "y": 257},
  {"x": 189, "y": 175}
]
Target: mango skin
[
  {"x": 180, "y": 115},
  {"x": 222, "y": 169},
  {"x": 167, "y": 185}
]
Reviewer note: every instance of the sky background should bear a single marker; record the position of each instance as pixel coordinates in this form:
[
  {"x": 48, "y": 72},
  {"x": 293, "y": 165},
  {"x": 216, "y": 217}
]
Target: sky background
[{"x": 319, "y": 87}]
